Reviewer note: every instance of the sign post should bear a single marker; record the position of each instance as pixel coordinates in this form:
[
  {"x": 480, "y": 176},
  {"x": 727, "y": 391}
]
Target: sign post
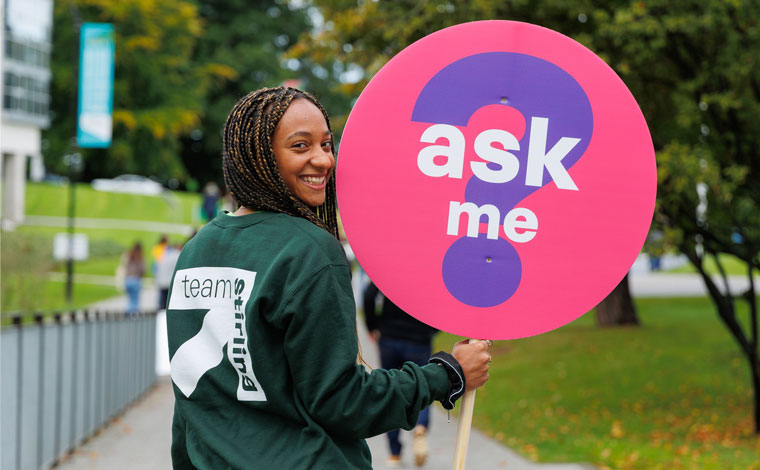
[
  {"x": 95, "y": 72},
  {"x": 466, "y": 408},
  {"x": 496, "y": 180}
]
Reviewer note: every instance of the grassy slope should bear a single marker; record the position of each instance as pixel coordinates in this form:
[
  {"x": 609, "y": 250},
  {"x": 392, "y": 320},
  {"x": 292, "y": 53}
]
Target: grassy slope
[
  {"x": 51, "y": 200},
  {"x": 732, "y": 265},
  {"x": 106, "y": 245},
  {"x": 672, "y": 394}
]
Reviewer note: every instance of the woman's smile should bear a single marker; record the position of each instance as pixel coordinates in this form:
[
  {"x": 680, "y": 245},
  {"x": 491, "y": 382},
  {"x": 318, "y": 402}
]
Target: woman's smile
[{"x": 302, "y": 145}]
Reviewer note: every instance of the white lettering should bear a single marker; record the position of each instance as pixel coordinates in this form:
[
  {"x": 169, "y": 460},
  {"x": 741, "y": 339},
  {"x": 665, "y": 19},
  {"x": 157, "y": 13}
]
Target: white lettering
[
  {"x": 520, "y": 218},
  {"x": 538, "y": 158},
  {"x": 508, "y": 162},
  {"x": 454, "y": 151},
  {"x": 474, "y": 213},
  {"x": 223, "y": 324}
]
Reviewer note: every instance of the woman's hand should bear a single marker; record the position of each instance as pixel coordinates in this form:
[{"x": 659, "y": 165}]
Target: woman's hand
[{"x": 474, "y": 358}]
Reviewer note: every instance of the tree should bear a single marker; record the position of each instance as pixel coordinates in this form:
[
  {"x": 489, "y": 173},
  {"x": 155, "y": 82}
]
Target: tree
[
  {"x": 242, "y": 44},
  {"x": 158, "y": 90},
  {"x": 617, "y": 308},
  {"x": 693, "y": 67}
]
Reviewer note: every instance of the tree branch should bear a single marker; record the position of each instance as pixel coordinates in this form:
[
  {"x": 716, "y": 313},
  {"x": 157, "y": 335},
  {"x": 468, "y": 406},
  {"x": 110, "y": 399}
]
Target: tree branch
[{"x": 723, "y": 302}]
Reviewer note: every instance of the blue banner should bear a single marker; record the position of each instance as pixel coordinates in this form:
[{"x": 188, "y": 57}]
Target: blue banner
[{"x": 96, "y": 63}]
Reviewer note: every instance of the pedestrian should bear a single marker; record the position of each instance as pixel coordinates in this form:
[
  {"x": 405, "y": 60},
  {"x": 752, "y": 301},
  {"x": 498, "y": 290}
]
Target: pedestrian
[
  {"x": 158, "y": 251},
  {"x": 134, "y": 270},
  {"x": 400, "y": 338},
  {"x": 164, "y": 271},
  {"x": 211, "y": 195},
  {"x": 261, "y": 317}
]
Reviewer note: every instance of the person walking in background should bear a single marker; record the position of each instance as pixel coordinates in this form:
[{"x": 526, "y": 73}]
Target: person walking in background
[
  {"x": 211, "y": 195},
  {"x": 164, "y": 271},
  {"x": 158, "y": 252},
  {"x": 134, "y": 270},
  {"x": 400, "y": 338}
]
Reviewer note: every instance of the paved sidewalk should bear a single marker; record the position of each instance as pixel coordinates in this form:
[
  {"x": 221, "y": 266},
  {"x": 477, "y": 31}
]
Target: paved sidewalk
[
  {"x": 682, "y": 285},
  {"x": 139, "y": 439}
]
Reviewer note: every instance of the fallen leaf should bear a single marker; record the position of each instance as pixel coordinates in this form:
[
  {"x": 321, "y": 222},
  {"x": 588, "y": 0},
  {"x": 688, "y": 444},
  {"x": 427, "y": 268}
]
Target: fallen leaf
[{"x": 617, "y": 429}]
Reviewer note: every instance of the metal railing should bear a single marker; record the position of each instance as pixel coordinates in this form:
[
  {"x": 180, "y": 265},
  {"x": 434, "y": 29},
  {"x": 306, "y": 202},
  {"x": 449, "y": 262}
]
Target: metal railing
[{"x": 65, "y": 377}]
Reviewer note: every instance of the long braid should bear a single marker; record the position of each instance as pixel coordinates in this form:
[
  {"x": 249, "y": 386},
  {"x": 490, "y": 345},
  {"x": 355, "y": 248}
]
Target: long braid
[{"x": 250, "y": 168}]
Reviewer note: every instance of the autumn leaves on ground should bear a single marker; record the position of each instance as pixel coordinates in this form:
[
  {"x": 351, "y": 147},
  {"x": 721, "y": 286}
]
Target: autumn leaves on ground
[{"x": 671, "y": 394}]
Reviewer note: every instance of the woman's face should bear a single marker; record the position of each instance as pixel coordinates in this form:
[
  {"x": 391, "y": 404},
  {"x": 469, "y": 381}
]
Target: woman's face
[{"x": 303, "y": 149}]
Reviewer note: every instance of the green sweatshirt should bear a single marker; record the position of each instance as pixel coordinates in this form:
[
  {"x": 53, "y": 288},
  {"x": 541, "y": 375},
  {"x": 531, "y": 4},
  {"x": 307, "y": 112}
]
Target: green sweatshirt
[{"x": 263, "y": 347}]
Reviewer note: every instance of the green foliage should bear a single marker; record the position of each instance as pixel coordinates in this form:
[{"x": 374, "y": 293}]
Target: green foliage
[
  {"x": 367, "y": 34},
  {"x": 243, "y": 41},
  {"x": 693, "y": 67},
  {"x": 158, "y": 89},
  {"x": 670, "y": 394},
  {"x": 180, "y": 67}
]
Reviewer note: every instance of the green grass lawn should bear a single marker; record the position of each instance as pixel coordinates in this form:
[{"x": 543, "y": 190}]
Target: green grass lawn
[
  {"x": 172, "y": 207},
  {"x": 106, "y": 247},
  {"x": 671, "y": 394},
  {"x": 27, "y": 252},
  {"x": 50, "y": 297},
  {"x": 732, "y": 265}
]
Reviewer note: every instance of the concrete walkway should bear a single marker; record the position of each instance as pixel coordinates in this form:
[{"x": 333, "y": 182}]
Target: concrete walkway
[{"x": 139, "y": 439}]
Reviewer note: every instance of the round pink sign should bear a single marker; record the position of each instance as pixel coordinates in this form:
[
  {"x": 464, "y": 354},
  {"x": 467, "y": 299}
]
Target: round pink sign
[{"x": 496, "y": 179}]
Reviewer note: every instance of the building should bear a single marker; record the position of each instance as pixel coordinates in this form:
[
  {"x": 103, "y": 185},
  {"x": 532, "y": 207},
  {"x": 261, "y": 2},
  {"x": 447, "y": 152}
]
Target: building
[{"x": 25, "y": 112}]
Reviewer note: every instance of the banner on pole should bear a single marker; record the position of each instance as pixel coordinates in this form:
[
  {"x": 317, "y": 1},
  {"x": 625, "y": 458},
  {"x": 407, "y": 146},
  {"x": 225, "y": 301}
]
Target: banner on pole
[{"x": 95, "y": 104}]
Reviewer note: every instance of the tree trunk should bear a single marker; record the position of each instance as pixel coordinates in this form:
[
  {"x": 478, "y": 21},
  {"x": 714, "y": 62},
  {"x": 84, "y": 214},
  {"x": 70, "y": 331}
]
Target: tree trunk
[
  {"x": 617, "y": 308},
  {"x": 755, "y": 369}
]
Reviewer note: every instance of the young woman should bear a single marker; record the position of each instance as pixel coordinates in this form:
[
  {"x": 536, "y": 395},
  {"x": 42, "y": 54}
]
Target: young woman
[
  {"x": 261, "y": 316},
  {"x": 134, "y": 270}
]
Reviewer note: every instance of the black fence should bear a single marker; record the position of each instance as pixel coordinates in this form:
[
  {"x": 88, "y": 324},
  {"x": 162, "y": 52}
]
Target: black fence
[{"x": 66, "y": 376}]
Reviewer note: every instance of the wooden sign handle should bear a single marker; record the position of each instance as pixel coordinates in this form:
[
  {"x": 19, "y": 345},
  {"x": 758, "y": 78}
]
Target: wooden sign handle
[{"x": 465, "y": 424}]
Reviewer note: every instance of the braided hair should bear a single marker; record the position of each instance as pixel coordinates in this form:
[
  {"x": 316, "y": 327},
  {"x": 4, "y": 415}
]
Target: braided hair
[{"x": 250, "y": 168}]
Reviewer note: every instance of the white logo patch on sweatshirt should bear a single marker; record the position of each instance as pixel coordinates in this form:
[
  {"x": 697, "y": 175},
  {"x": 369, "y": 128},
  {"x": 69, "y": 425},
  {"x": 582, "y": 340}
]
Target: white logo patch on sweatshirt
[{"x": 224, "y": 292}]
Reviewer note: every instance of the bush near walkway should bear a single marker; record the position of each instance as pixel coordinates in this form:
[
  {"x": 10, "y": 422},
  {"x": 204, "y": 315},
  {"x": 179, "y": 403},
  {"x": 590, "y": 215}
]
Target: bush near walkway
[{"x": 673, "y": 393}]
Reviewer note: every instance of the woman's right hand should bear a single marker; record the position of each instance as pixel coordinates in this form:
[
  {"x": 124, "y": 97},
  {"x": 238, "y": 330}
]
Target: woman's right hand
[{"x": 474, "y": 358}]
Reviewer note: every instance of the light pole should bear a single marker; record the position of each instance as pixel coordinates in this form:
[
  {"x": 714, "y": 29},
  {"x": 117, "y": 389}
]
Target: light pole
[{"x": 74, "y": 163}]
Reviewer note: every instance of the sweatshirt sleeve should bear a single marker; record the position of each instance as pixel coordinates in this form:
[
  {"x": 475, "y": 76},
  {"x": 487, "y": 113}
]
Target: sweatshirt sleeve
[
  {"x": 180, "y": 458},
  {"x": 321, "y": 348}
]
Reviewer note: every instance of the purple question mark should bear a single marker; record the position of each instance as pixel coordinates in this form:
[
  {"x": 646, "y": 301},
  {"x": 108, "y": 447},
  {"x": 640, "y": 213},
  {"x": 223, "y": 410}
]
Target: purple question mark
[{"x": 484, "y": 272}]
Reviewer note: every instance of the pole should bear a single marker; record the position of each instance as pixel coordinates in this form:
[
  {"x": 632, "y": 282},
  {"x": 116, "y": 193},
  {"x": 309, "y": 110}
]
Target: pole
[
  {"x": 73, "y": 160},
  {"x": 70, "y": 257},
  {"x": 465, "y": 425}
]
